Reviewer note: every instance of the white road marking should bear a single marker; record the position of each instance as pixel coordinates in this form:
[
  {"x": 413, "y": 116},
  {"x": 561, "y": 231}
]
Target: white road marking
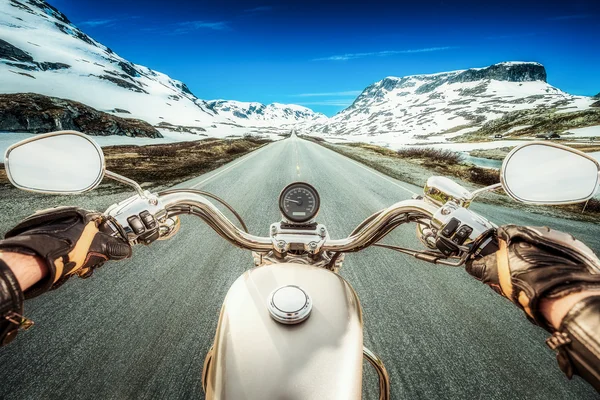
[
  {"x": 381, "y": 176},
  {"x": 228, "y": 168},
  {"x": 378, "y": 174},
  {"x": 298, "y": 169}
]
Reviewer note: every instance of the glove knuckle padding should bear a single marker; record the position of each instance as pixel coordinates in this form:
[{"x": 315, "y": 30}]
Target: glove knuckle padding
[
  {"x": 561, "y": 242},
  {"x": 67, "y": 238}
]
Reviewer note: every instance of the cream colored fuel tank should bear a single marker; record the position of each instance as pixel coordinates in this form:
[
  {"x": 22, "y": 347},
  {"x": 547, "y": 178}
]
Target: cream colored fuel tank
[{"x": 255, "y": 357}]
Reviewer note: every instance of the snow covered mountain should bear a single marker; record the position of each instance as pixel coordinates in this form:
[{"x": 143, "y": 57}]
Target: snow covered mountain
[
  {"x": 42, "y": 52},
  {"x": 448, "y": 104},
  {"x": 260, "y": 114}
]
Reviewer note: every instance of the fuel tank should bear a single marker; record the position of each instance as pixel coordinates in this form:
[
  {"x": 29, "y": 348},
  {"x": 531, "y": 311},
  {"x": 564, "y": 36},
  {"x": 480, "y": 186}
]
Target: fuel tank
[{"x": 256, "y": 357}]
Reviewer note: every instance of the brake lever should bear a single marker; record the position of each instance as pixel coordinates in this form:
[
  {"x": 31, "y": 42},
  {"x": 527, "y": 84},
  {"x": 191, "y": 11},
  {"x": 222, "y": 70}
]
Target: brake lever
[{"x": 431, "y": 257}]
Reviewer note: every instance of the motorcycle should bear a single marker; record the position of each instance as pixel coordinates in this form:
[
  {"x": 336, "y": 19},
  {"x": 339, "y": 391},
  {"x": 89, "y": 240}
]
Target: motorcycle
[{"x": 292, "y": 326}]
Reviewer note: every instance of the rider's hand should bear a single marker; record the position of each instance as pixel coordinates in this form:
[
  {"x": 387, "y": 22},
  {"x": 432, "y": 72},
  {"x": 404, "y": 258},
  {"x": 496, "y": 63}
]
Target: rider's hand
[
  {"x": 534, "y": 264},
  {"x": 68, "y": 240}
]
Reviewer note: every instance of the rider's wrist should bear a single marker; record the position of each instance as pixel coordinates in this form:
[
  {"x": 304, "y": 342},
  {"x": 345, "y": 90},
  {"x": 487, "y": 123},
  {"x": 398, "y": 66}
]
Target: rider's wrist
[
  {"x": 27, "y": 269},
  {"x": 555, "y": 310}
]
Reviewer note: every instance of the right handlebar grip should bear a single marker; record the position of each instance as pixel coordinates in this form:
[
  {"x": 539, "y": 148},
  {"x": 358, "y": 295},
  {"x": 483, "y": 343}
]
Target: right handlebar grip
[{"x": 112, "y": 228}]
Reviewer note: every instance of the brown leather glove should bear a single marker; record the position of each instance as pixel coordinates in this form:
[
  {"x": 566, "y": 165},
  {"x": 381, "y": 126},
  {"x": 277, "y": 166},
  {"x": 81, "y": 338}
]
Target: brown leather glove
[
  {"x": 535, "y": 263},
  {"x": 69, "y": 240}
]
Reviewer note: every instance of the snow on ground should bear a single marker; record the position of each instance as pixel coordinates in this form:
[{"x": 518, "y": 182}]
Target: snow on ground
[{"x": 590, "y": 131}]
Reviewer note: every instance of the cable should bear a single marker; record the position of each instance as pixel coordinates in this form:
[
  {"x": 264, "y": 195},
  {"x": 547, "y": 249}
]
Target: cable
[{"x": 212, "y": 196}]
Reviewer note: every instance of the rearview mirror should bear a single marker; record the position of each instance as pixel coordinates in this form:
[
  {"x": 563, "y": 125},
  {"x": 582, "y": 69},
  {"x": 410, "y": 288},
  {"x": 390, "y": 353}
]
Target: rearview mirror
[
  {"x": 548, "y": 173},
  {"x": 64, "y": 162}
]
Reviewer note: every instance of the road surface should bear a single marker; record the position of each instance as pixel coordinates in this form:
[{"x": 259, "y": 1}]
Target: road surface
[{"x": 141, "y": 328}]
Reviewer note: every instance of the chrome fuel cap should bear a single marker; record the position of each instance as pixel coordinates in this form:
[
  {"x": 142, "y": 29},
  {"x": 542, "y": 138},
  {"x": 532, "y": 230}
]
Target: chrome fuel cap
[{"x": 289, "y": 305}]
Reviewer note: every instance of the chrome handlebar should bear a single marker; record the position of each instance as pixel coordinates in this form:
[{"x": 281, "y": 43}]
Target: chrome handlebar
[
  {"x": 191, "y": 203},
  {"x": 167, "y": 206},
  {"x": 370, "y": 232}
]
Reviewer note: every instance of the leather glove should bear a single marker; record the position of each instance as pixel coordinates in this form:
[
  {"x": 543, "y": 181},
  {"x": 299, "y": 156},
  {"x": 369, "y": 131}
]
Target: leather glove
[
  {"x": 68, "y": 240},
  {"x": 533, "y": 263}
]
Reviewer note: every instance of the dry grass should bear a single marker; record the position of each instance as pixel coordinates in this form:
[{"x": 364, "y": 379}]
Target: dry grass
[
  {"x": 176, "y": 162},
  {"x": 312, "y": 138},
  {"x": 431, "y": 154},
  {"x": 3, "y": 177},
  {"x": 445, "y": 162}
]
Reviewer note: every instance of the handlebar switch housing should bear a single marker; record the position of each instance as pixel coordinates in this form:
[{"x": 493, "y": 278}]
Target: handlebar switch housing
[
  {"x": 450, "y": 227},
  {"x": 446, "y": 246},
  {"x": 458, "y": 226},
  {"x": 140, "y": 218},
  {"x": 463, "y": 233}
]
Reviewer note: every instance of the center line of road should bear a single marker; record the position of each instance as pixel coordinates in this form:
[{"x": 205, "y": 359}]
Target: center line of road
[{"x": 228, "y": 168}]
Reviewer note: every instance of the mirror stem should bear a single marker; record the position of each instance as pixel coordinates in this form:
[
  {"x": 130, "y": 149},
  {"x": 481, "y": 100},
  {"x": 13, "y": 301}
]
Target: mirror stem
[
  {"x": 490, "y": 188},
  {"x": 127, "y": 181}
]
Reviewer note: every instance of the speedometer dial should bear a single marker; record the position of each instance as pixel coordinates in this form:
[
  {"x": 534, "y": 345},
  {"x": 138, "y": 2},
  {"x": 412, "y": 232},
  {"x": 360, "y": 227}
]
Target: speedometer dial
[{"x": 299, "y": 202}]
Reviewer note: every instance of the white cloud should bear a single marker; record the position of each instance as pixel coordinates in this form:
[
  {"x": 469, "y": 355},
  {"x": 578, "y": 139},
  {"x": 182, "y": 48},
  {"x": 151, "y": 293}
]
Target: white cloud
[
  {"x": 258, "y": 9},
  {"x": 98, "y": 22},
  {"x": 330, "y": 94},
  {"x": 191, "y": 26},
  {"x": 351, "y": 56},
  {"x": 329, "y": 102}
]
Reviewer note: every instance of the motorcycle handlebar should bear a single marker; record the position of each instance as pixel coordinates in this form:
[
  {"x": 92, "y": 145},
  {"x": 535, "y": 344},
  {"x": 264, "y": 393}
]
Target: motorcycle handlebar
[
  {"x": 191, "y": 203},
  {"x": 187, "y": 202}
]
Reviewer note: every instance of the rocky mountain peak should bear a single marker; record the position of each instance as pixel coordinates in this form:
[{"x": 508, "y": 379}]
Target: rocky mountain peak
[
  {"x": 421, "y": 84},
  {"x": 449, "y": 103},
  {"x": 506, "y": 71}
]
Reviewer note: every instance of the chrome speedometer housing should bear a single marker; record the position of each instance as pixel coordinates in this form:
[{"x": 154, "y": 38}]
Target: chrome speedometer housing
[{"x": 299, "y": 203}]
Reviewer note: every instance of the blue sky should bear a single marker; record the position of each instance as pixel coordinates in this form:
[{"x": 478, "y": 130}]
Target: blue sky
[{"x": 322, "y": 54}]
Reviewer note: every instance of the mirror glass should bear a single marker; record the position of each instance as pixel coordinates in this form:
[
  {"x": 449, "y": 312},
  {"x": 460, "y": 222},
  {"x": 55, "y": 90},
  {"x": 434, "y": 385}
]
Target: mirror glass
[
  {"x": 545, "y": 174},
  {"x": 55, "y": 163}
]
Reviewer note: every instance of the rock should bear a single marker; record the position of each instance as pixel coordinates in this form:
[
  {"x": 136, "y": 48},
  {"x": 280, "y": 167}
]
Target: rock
[
  {"x": 35, "y": 113},
  {"x": 596, "y": 97},
  {"x": 122, "y": 83},
  {"x": 185, "y": 89},
  {"x": 26, "y": 67},
  {"x": 180, "y": 128},
  {"x": 51, "y": 66},
  {"x": 128, "y": 69},
  {"x": 47, "y": 7},
  {"x": 10, "y": 52},
  {"x": 23, "y": 73},
  {"x": 595, "y": 104},
  {"x": 22, "y": 6},
  {"x": 511, "y": 72}
]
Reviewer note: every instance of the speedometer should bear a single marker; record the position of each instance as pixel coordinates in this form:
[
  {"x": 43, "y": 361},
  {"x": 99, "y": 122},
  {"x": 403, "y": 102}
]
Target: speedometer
[{"x": 299, "y": 202}]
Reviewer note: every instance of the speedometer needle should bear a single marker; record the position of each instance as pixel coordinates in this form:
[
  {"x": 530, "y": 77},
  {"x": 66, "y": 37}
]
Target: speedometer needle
[{"x": 294, "y": 201}]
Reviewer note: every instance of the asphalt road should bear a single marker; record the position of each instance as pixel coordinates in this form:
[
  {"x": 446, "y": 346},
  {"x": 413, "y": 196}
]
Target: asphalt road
[{"x": 141, "y": 328}]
